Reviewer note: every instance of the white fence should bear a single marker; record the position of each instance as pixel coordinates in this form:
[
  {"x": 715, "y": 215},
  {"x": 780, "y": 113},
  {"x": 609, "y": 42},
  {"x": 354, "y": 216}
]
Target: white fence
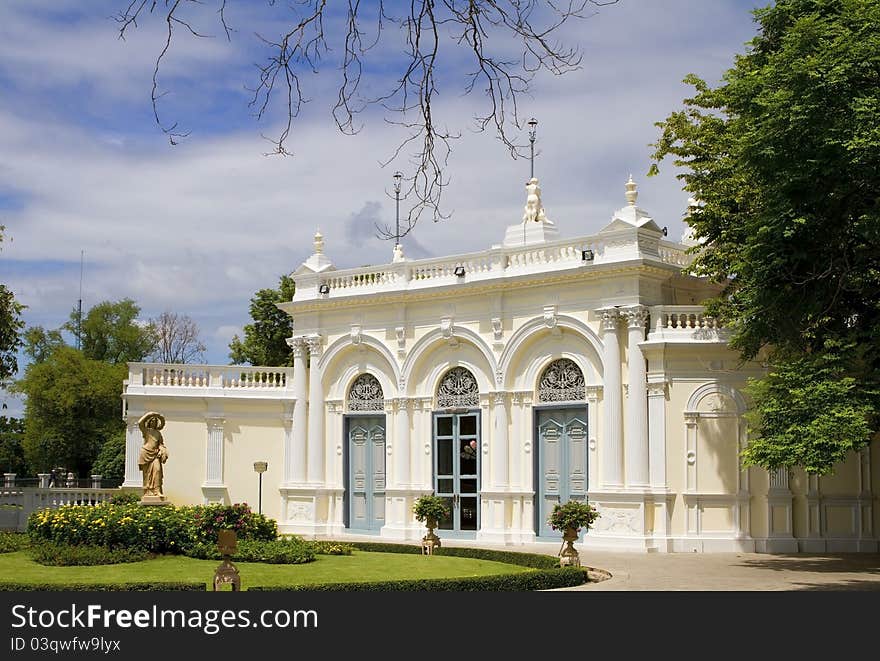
[{"x": 17, "y": 503}]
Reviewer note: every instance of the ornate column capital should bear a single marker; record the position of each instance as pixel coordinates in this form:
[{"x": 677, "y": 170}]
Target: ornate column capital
[
  {"x": 316, "y": 345},
  {"x": 657, "y": 388},
  {"x": 593, "y": 393},
  {"x": 636, "y": 316},
  {"x": 297, "y": 345},
  {"x": 610, "y": 318}
]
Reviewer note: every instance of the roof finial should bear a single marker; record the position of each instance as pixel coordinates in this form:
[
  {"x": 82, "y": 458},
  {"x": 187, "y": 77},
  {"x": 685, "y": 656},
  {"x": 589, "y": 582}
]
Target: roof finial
[
  {"x": 631, "y": 193},
  {"x": 319, "y": 243}
]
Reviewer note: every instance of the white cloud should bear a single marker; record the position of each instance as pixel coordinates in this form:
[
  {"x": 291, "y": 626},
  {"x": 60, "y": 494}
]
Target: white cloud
[{"x": 199, "y": 227}]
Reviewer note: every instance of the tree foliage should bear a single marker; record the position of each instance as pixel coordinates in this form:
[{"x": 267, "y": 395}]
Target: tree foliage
[
  {"x": 11, "y": 446},
  {"x": 110, "y": 462},
  {"x": 421, "y": 46},
  {"x": 265, "y": 340},
  {"x": 10, "y": 330},
  {"x": 784, "y": 159},
  {"x": 111, "y": 333},
  {"x": 177, "y": 339},
  {"x": 73, "y": 407}
]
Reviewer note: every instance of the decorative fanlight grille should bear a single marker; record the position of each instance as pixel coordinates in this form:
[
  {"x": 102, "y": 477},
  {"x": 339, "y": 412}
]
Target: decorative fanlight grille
[
  {"x": 366, "y": 394},
  {"x": 458, "y": 389},
  {"x": 562, "y": 381}
]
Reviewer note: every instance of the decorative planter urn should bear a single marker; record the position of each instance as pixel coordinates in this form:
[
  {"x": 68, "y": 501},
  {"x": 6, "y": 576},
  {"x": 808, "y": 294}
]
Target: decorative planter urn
[
  {"x": 568, "y": 556},
  {"x": 430, "y": 541}
]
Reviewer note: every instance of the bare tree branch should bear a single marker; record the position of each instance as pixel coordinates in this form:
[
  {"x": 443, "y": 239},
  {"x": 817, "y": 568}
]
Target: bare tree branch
[
  {"x": 177, "y": 339},
  {"x": 484, "y": 29}
]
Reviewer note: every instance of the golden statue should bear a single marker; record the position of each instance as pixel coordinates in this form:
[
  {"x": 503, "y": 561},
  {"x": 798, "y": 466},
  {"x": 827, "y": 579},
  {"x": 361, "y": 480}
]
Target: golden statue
[{"x": 152, "y": 456}]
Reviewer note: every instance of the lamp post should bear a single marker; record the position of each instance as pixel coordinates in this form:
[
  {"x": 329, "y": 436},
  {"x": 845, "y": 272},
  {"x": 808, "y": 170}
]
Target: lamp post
[
  {"x": 398, "y": 176},
  {"x": 533, "y": 124},
  {"x": 260, "y": 467}
]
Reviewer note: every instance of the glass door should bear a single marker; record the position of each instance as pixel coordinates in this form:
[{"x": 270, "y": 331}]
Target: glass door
[{"x": 457, "y": 468}]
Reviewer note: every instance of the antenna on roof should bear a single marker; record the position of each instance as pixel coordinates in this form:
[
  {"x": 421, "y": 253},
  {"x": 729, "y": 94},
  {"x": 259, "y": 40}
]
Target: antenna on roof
[{"x": 79, "y": 304}]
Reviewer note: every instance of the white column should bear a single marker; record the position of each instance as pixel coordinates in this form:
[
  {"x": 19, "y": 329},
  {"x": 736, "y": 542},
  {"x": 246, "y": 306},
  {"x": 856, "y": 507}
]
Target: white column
[
  {"x": 287, "y": 423},
  {"x": 401, "y": 447},
  {"x": 657, "y": 433},
  {"x": 636, "y": 436},
  {"x": 500, "y": 452},
  {"x": 610, "y": 453},
  {"x": 133, "y": 442},
  {"x": 296, "y": 460},
  {"x": 520, "y": 424},
  {"x": 214, "y": 452},
  {"x": 316, "y": 413},
  {"x": 592, "y": 427}
]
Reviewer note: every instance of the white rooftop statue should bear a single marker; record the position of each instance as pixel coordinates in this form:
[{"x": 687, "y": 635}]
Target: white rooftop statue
[
  {"x": 631, "y": 214},
  {"x": 535, "y": 226},
  {"x": 318, "y": 261}
]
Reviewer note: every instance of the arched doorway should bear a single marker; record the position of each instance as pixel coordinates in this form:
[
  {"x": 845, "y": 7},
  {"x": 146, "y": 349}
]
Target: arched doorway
[
  {"x": 456, "y": 449},
  {"x": 562, "y": 432},
  {"x": 365, "y": 455}
]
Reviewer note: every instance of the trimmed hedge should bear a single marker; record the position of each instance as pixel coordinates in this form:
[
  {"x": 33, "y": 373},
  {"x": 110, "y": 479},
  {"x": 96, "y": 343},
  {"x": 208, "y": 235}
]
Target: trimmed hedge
[
  {"x": 534, "y": 560},
  {"x": 13, "y": 541},
  {"x": 323, "y": 547},
  {"x": 285, "y": 551},
  {"x": 67, "y": 555},
  {"x": 108, "y": 587},
  {"x": 546, "y": 579}
]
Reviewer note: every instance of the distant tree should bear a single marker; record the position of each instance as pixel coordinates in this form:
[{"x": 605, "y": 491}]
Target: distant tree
[
  {"x": 265, "y": 339},
  {"x": 110, "y": 332},
  {"x": 10, "y": 330},
  {"x": 110, "y": 463},
  {"x": 72, "y": 408},
  {"x": 11, "y": 446},
  {"x": 177, "y": 339},
  {"x": 40, "y": 343},
  {"x": 784, "y": 158}
]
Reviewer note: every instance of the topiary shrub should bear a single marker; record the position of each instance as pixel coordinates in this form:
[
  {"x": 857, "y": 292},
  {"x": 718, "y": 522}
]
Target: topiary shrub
[
  {"x": 324, "y": 547},
  {"x": 208, "y": 519}
]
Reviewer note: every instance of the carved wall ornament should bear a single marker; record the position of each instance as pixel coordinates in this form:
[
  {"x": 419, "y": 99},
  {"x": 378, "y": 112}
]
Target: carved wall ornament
[
  {"x": 400, "y": 331},
  {"x": 356, "y": 334},
  {"x": 562, "y": 381},
  {"x": 458, "y": 389},
  {"x": 447, "y": 327},
  {"x": 497, "y": 328},
  {"x": 366, "y": 394}
]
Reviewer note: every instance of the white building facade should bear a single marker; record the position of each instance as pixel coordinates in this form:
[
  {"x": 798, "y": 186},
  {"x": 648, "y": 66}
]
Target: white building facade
[{"x": 538, "y": 371}]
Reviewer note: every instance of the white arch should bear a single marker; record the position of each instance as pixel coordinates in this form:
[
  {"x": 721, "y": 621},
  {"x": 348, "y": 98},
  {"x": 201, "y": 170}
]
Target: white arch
[
  {"x": 367, "y": 341},
  {"x": 712, "y": 388},
  {"x": 537, "y": 325},
  {"x": 353, "y": 371},
  {"x": 426, "y": 342}
]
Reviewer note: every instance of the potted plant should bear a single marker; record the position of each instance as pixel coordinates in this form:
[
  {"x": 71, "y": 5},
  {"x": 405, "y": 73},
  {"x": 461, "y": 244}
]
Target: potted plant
[
  {"x": 570, "y": 518},
  {"x": 430, "y": 509}
]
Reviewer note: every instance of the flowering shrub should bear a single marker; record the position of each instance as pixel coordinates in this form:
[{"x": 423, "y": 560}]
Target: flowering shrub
[
  {"x": 208, "y": 519},
  {"x": 575, "y": 514},
  {"x": 166, "y": 529}
]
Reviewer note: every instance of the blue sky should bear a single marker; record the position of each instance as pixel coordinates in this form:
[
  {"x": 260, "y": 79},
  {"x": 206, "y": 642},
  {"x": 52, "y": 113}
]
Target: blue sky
[{"x": 198, "y": 227}]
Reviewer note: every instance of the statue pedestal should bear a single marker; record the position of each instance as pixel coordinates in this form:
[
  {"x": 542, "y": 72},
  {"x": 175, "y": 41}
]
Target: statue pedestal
[{"x": 154, "y": 500}]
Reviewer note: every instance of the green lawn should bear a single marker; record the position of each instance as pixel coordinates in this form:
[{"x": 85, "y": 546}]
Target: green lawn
[{"x": 359, "y": 566}]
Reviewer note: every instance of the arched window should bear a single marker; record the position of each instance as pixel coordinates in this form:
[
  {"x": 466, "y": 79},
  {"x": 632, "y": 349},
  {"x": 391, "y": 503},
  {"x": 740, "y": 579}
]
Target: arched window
[
  {"x": 458, "y": 389},
  {"x": 366, "y": 394},
  {"x": 562, "y": 381}
]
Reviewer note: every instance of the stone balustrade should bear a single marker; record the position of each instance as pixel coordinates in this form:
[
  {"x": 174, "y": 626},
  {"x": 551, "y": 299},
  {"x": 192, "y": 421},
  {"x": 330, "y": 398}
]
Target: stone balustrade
[
  {"x": 200, "y": 380},
  {"x": 684, "y": 323},
  {"x": 496, "y": 263}
]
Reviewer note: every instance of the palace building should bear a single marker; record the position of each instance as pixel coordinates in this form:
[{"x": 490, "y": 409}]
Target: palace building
[{"x": 534, "y": 372}]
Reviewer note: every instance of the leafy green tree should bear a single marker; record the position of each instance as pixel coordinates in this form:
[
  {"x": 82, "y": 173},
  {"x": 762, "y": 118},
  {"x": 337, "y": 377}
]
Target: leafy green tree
[
  {"x": 40, "y": 343},
  {"x": 265, "y": 339},
  {"x": 110, "y": 463},
  {"x": 111, "y": 333},
  {"x": 72, "y": 409},
  {"x": 11, "y": 448},
  {"x": 10, "y": 329},
  {"x": 784, "y": 159}
]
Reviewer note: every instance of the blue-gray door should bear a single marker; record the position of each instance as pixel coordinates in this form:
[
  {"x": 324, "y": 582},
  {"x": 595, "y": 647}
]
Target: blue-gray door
[
  {"x": 562, "y": 461},
  {"x": 366, "y": 473},
  {"x": 457, "y": 468}
]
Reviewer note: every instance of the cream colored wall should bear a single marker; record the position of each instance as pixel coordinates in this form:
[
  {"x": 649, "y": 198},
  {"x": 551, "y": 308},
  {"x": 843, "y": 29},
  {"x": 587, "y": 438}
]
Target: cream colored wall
[
  {"x": 185, "y": 468},
  {"x": 247, "y": 441}
]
